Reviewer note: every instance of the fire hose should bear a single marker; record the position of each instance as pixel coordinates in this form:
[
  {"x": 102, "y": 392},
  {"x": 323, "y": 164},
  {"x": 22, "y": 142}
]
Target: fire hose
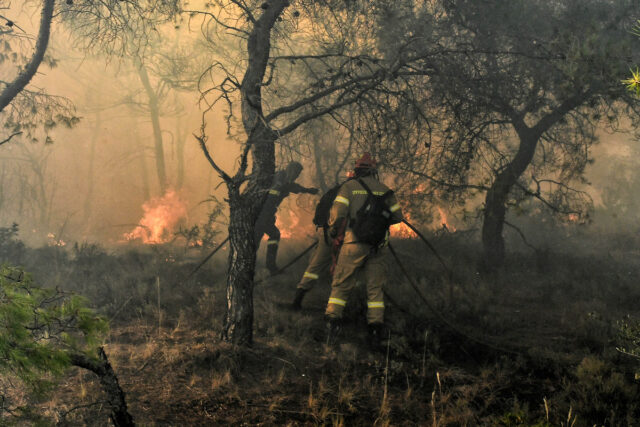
[
  {"x": 290, "y": 263},
  {"x": 415, "y": 287},
  {"x": 208, "y": 257},
  {"x": 438, "y": 314},
  {"x": 280, "y": 270},
  {"x": 430, "y": 246}
]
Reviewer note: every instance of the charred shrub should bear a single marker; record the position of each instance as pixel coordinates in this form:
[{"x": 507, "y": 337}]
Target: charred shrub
[
  {"x": 12, "y": 250},
  {"x": 600, "y": 394}
]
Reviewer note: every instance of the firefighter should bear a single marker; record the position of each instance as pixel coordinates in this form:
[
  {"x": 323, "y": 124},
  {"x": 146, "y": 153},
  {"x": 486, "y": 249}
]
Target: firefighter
[
  {"x": 327, "y": 250},
  {"x": 283, "y": 184},
  {"x": 359, "y": 260}
]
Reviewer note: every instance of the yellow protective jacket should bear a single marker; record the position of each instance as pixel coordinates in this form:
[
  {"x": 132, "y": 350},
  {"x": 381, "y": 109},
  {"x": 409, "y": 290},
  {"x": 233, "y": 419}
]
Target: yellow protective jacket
[{"x": 351, "y": 197}]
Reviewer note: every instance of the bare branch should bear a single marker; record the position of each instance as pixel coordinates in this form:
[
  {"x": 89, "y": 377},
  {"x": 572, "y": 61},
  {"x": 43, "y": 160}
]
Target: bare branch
[
  {"x": 321, "y": 112},
  {"x": 4, "y": 141},
  {"x": 217, "y": 21},
  {"x": 202, "y": 139},
  {"x": 524, "y": 239},
  {"x": 310, "y": 99}
]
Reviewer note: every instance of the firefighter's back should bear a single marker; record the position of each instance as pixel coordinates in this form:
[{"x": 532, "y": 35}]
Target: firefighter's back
[{"x": 357, "y": 196}]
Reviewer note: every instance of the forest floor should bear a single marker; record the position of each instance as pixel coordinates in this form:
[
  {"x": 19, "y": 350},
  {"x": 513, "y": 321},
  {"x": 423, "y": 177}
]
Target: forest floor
[{"x": 534, "y": 345}]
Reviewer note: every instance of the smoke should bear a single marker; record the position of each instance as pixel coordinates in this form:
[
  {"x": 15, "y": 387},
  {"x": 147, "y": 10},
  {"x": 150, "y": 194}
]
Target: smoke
[{"x": 97, "y": 180}]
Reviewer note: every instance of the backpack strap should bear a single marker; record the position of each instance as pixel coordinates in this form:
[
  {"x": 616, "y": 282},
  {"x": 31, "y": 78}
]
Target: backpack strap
[{"x": 368, "y": 190}]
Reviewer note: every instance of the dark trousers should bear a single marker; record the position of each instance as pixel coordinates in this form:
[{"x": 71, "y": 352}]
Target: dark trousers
[{"x": 268, "y": 226}]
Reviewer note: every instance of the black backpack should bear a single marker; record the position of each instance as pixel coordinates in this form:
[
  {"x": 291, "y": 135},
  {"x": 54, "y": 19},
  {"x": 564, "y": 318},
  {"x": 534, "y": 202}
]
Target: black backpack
[
  {"x": 321, "y": 216},
  {"x": 373, "y": 219}
]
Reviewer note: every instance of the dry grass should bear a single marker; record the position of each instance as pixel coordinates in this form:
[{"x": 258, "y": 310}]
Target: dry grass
[{"x": 559, "y": 318}]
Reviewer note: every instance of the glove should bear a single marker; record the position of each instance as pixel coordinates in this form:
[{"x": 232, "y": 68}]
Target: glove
[{"x": 313, "y": 191}]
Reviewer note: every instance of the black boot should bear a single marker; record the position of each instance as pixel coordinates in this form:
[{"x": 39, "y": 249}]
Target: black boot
[
  {"x": 297, "y": 300},
  {"x": 375, "y": 336},
  {"x": 334, "y": 326},
  {"x": 272, "y": 252}
]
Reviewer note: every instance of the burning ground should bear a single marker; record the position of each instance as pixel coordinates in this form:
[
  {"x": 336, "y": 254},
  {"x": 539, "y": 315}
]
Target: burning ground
[{"x": 535, "y": 345}]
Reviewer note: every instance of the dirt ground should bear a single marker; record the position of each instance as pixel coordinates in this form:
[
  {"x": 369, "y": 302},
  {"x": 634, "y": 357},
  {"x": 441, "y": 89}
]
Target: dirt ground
[{"x": 534, "y": 345}]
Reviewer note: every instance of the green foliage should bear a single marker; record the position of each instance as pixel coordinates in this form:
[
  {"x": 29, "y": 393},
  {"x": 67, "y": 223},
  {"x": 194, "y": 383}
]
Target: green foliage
[
  {"x": 628, "y": 339},
  {"x": 40, "y": 328},
  {"x": 633, "y": 83}
]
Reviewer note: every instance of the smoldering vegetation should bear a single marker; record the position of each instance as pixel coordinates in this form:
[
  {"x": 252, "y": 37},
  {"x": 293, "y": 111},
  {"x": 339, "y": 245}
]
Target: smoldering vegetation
[
  {"x": 106, "y": 192},
  {"x": 535, "y": 344}
]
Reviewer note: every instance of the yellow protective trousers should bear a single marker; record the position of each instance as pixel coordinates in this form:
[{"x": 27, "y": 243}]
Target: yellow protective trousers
[
  {"x": 356, "y": 263},
  {"x": 319, "y": 263}
]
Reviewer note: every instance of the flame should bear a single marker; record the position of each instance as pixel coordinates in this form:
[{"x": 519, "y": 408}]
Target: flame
[
  {"x": 444, "y": 220},
  {"x": 161, "y": 215},
  {"x": 287, "y": 226},
  {"x": 402, "y": 230},
  {"x": 54, "y": 241}
]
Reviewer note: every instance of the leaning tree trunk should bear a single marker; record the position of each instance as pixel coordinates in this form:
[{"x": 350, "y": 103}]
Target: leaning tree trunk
[
  {"x": 24, "y": 77},
  {"x": 245, "y": 206},
  {"x": 496, "y": 199},
  {"x": 115, "y": 396}
]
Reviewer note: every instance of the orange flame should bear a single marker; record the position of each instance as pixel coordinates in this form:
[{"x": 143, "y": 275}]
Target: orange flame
[
  {"x": 161, "y": 215},
  {"x": 444, "y": 221},
  {"x": 402, "y": 230},
  {"x": 287, "y": 226}
]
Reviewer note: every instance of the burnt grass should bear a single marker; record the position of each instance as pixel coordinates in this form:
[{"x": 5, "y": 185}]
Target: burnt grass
[{"x": 532, "y": 345}]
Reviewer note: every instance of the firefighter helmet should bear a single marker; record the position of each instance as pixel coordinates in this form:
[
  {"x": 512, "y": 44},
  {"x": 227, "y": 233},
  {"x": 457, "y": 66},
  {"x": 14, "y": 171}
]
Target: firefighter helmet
[{"x": 366, "y": 162}]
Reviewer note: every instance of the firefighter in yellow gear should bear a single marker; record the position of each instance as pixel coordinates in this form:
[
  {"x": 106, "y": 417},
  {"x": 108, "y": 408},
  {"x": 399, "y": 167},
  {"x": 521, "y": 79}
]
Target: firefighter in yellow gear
[
  {"x": 318, "y": 267},
  {"x": 283, "y": 185},
  {"x": 326, "y": 251},
  {"x": 360, "y": 261}
]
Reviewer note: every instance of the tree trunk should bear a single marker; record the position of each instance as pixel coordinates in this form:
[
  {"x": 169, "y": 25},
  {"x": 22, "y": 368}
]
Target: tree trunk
[
  {"x": 18, "y": 84},
  {"x": 493, "y": 223},
  {"x": 181, "y": 137},
  {"x": 318, "y": 156},
  {"x": 238, "y": 324},
  {"x": 496, "y": 199},
  {"x": 245, "y": 207},
  {"x": 244, "y": 211},
  {"x": 109, "y": 381},
  {"x": 154, "y": 112},
  {"x": 144, "y": 170},
  {"x": 88, "y": 201}
]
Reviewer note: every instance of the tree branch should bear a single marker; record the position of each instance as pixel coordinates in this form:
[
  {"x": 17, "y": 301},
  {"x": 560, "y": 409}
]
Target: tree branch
[
  {"x": 308, "y": 100},
  {"x": 524, "y": 239},
  {"x": 202, "y": 139},
  {"x": 4, "y": 141},
  {"x": 115, "y": 396},
  {"x": 217, "y": 20},
  {"x": 23, "y": 79}
]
